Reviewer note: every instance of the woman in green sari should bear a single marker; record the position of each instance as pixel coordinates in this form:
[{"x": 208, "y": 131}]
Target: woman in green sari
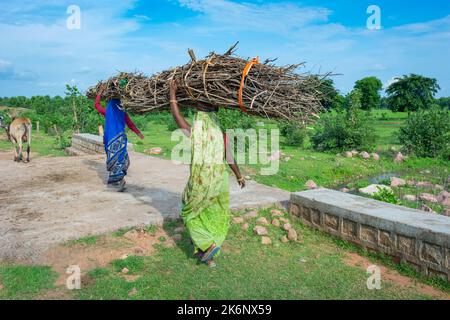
[{"x": 206, "y": 198}]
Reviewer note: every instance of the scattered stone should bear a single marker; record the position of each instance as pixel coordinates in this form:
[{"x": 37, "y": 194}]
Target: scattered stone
[
  {"x": 177, "y": 237},
  {"x": 424, "y": 184},
  {"x": 410, "y": 197},
  {"x": 276, "y": 223},
  {"x": 133, "y": 292},
  {"x": 426, "y": 208},
  {"x": 348, "y": 154},
  {"x": 179, "y": 230},
  {"x": 428, "y": 197},
  {"x": 131, "y": 235},
  {"x": 292, "y": 235},
  {"x": 310, "y": 185},
  {"x": 393, "y": 149},
  {"x": 397, "y": 182},
  {"x": 250, "y": 215},
  {"x": 260, "y": 231},
  {"x": 345, "y": 190},
  {"x": 125, "y": 270},
  {"x": 365, "y": 155},
  {"x": 276, "y": 213},
  {"x": 373, "y": 189},
  {"x": 444, "y": 198},
  {"x": 248, "y": 178},
  {"x": 262, "y": 221},
  {"x": 446, "y": 212},
  {"x": 411, "y": 183},
  {"x": 355, "y": 153},
  {"x": 302, "y": 260},
  {"x": 287, "y": 227},
  {"x": 284, "y": 239},
  {"x": 399, "y": 157},
  {"x": 284, "y": 220},
  {"x": 125, "y": 256},
  {"x": 155, "y": 151},
  {"x": 376, "y": 156},
  {"x": 238, "y": 220},
  {"x": 266, "y": 241},
  {"x": 245, "y": 226},
  {"x": 438, "y": 187}
]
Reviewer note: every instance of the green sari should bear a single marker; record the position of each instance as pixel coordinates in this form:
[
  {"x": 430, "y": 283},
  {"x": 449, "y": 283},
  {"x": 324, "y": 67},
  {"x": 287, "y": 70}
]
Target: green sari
[{"x": 206, "y": 197}]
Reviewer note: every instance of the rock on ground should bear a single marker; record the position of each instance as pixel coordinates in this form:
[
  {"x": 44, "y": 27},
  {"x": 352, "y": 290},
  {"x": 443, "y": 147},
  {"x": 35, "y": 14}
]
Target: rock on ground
[
  {"x": 373, "y": 189},
  {"x": 250, "y": 215},
  {"x": 238, "y": 220},
  {"x": 410, "y": 197},
  {"x": 260, "y": 231},
  {"x": 277, "y": 213},
  {"x": 276, "y": 223},
  {"x": 428, "y": 197},
  {"x": 399, "y": 157},
  {"x": 284, "y": 239},
  {"x": 376, "y": 156},
  {"x": 348, "y": 154},
  {"x": 426, "y": 208},
  {"x": 245, "y": 226},
  {"x": 365, "y": 155},
  {"x": 292, "y": 235},
  {"x": 262, "y": 221},
  {"x": 266, "y": 241},
  {"x": 345, "y": 190},
  {"x": 287, "y": 227},
  {"x": 397, "y": 182},
  {"x": 310, "y": 185}
]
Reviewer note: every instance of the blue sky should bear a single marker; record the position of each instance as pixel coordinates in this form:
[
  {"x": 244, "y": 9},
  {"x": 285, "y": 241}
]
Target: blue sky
[{"x": 39, "y": 54}]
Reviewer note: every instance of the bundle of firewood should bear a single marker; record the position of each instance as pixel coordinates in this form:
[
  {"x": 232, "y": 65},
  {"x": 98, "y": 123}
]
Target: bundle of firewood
[{"x": 222, "y": 81}]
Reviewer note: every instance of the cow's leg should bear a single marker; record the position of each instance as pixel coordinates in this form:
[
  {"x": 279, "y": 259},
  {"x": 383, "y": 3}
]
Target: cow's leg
[
  {"x": 20, "y": 150},
  {"x": 16, "y": 157},
  {"x": 28, "y": 153},
  {"x": 29, "y": 142}
]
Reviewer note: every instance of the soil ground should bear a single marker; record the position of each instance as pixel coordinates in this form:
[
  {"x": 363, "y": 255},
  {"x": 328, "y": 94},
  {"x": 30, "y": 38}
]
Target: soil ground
[{"x": 52, "y": 200}]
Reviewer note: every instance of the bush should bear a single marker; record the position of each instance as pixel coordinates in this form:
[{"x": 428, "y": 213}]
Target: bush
[
  {"x": 386, "y": 195},
  {"x": 345, "y": 129},
  {"x": 427, "y": 133},
  {"x": 294, "y": 135}
]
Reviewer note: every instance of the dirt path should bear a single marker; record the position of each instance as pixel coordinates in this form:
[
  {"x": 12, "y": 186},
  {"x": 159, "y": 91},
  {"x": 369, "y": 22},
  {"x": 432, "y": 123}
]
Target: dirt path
[{"x": 52, "y": 200}]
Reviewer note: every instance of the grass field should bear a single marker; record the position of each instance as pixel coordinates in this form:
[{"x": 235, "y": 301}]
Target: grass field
[{"x": 316, "y": 267}]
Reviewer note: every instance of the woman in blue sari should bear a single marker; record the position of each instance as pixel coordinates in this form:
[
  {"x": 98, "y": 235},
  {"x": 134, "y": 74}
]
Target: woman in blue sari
[{"x": 115, "y": 140}]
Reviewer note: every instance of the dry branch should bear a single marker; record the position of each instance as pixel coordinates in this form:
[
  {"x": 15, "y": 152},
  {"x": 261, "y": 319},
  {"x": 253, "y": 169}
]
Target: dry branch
[{"x": 271, "y": 91}]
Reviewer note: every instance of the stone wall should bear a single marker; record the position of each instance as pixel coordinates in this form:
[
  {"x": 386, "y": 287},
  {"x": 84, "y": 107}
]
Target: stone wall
[
  {"x": 89, "y": 144},
  {"x": 420, "y": 239}
]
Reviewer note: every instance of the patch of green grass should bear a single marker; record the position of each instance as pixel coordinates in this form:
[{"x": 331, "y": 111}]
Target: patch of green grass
[
  {"x": 314, "y": 268},
  {"x": 87, "y": 241},
  {"x": 25, "y": 282},
  {"x": 151, "y": 229},
  {"x": 41, "y": 144},
  {"x": 134, "y": 264},
  {"x": 121, "y": 232}
]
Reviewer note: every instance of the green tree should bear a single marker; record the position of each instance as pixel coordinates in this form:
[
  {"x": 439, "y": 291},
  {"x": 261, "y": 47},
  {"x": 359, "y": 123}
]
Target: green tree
[
  {"x": 370, "y": 88},
  {"x": 412, "y": 93},
  {"x": 443, "y": 102}
]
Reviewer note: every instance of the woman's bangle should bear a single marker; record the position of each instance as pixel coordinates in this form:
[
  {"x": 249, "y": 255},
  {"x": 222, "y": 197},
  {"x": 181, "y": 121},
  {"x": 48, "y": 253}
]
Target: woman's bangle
[
  {"x": 242, "y": 179},
  {"x": 173, "y": 101}
]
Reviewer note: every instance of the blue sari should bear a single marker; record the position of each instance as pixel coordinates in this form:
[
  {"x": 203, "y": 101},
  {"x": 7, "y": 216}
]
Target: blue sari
[{"x": 116, "y": 141}]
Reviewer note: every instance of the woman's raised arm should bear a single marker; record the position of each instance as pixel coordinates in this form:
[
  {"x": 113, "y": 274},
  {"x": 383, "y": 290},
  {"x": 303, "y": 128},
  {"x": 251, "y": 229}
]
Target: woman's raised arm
[{"x": 179, "y": 119}]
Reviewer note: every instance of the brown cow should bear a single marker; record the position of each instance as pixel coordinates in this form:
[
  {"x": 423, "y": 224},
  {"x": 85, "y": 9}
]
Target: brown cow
[{"x": 18, "y": 132}]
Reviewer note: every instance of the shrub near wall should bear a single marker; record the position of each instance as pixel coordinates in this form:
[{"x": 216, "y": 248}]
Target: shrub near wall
[{"x": 427, "y": 133}]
